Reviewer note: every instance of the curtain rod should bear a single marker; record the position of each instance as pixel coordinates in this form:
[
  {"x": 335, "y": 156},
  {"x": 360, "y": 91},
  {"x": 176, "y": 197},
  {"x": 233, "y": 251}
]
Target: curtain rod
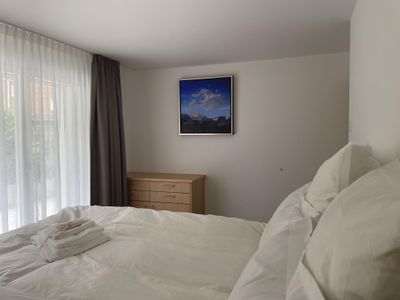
[{"x": 43, "y": 36}]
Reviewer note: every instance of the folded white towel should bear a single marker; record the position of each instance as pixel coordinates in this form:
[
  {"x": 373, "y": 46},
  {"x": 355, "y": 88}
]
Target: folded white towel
[
  {"x": 61, "y": 237},
  {"x": 70, "y": 224},
  {"x": 71, "y": 241},
  {"x": 75, "y": 230},
  {"x": 51, "y": 254},
  {"x": 66, "y": 239},
  {"x": 63, "y": 230}
]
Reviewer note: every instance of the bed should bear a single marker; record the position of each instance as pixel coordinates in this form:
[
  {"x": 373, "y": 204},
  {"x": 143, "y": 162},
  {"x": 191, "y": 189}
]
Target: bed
[
  {"x": 161, "y": 255},
  {"x": 333, "y": 239},
  {"x": 151, "y": 255}
]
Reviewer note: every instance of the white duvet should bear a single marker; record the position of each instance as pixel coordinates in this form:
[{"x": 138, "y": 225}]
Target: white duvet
[{"x": 152, "y": 255}]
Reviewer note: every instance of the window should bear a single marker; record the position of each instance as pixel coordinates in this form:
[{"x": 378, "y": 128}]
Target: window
[{"x": 44, "y": 127}]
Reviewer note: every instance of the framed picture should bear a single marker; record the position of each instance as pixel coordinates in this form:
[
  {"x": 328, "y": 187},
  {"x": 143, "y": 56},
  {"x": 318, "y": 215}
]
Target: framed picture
[{"x": 206, "y": 106}]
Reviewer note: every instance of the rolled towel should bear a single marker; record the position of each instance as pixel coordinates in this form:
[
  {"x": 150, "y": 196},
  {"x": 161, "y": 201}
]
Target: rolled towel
[{"x": 51, "y": 254}]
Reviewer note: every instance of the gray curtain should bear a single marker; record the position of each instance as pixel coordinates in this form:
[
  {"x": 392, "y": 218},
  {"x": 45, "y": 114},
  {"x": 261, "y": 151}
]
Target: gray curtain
[{"x": 108, "y": 182}]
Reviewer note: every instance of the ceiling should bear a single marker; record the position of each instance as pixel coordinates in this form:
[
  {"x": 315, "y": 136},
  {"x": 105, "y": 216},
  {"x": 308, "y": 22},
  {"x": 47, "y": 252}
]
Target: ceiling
[{"x": 166, "y": 33}]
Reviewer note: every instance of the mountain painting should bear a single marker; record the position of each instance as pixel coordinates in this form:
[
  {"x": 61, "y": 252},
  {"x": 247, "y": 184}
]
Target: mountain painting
[{"x": 206, "y": 105}]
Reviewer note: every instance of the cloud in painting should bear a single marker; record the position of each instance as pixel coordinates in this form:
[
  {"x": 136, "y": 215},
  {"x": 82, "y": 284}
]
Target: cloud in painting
[{"x": 208, "y": 100}]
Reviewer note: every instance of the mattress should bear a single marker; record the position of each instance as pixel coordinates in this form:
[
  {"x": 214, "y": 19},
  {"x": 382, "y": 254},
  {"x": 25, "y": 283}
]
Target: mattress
[{"x": 151, "y": 255}]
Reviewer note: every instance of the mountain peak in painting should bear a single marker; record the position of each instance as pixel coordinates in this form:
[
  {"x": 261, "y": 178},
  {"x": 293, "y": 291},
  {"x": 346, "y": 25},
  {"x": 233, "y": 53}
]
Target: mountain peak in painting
[{"x": 198, "y": 116}]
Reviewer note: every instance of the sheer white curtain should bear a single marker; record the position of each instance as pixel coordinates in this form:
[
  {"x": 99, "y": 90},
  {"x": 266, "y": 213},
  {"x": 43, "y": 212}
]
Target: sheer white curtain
[{"x": 44, "y": 127}]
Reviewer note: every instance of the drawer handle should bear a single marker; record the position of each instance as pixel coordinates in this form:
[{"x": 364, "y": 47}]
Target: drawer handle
[
  {"x": 169, "y": 196},
  {"x": 169, "y": 185}
]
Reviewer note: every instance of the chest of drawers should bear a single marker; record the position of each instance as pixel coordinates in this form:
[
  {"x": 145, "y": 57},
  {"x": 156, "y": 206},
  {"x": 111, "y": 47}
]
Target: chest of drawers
[{"x": 165, "y": 191}]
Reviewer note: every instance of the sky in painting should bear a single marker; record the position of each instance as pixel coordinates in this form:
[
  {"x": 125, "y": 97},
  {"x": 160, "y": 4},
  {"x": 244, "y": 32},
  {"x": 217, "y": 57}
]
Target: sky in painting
[{"x": 210, "y": 97}]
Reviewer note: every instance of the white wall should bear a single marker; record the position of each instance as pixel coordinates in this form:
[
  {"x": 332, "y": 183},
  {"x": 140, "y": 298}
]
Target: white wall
[
  {"x": 375, "y": 77},
  {"x": 291, "y": 114}
]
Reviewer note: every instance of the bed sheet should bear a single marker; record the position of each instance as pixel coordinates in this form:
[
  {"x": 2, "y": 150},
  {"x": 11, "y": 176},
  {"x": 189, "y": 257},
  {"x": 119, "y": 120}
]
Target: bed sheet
[{"x": 151, "y": 255}]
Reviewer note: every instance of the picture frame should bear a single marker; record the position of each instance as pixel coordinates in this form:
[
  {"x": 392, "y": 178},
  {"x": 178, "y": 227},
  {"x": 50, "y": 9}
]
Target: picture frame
[{"x": 206, "y": 105}]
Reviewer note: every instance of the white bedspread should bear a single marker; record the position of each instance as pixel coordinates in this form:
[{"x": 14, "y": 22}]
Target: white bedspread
[{"x": 152, "y": 255}]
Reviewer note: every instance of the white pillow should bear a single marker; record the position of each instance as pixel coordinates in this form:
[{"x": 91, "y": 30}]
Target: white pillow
[
  {"x": 335, "y": 174},
  {"x": 354, "y": 252},
  {"x": 268, "y": 272}
]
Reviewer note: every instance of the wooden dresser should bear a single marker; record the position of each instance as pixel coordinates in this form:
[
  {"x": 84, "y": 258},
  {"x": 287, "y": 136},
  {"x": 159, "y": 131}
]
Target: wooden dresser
[{"x": 164, "y": 191}]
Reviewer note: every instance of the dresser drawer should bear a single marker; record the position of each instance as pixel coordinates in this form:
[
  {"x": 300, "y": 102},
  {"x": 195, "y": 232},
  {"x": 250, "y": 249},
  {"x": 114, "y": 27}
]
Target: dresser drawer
[
  {"x": 139, "y": 195},
  {"x": 170, "y": 206},
  {"x": 178, "y": 198},
  {"x": 140, "y": 204},
  {"x": 167, "y": 191},
  {"x": 172, "y": 187},
  {"x": 138, "y": 185}
]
